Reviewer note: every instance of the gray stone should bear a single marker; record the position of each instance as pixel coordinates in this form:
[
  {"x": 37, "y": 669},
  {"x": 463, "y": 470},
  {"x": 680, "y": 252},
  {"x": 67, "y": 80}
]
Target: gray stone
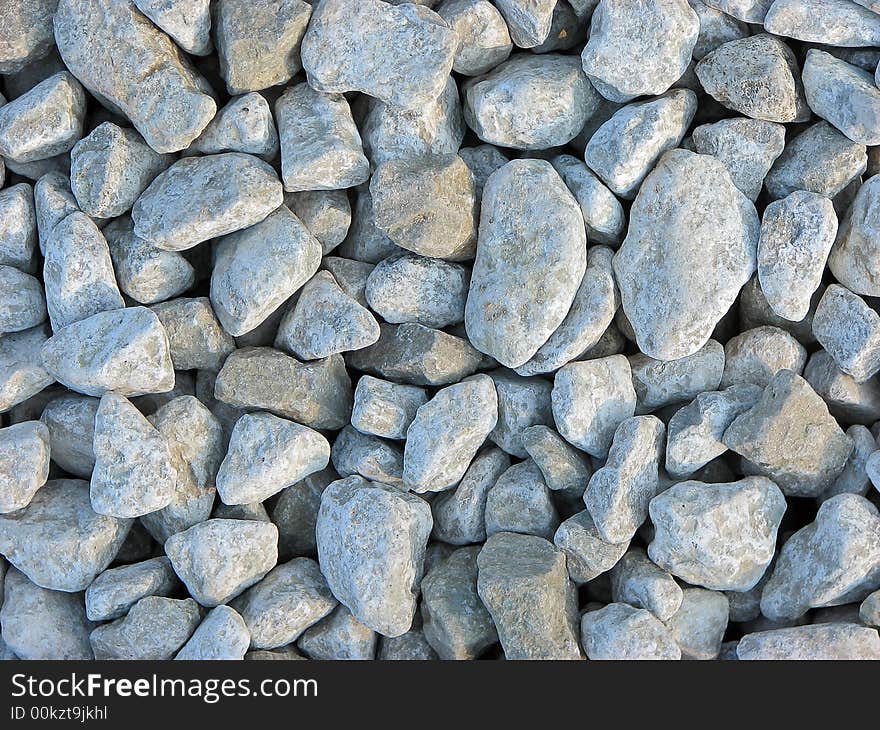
[
  {"x": 24, "y": 463},
  {"x": 790, "y": 436},
  {"x": 133, "y": 68},
  {"x": 854, "y": 478},
  {"x": 520, "y": 502},
  {"x": 447, "y": 432},
  {"x": 529, "y": 21},
  {"x": 530, "y": 262},
  {"x": 587, "y": 554},
  {"x": 116, "y": 590},
  {"x": 365, "y": 242},
  {"x": 371, "y": 548},
  {"x": 483, "y": 36},
  {"x": 339, "y": 636},
  {"x": 386, "y": 409},
  {"x": 222, "y": 635},
  {"x": 625, "y": 148},
  {"x": 259, "y": 42},
  {"x": 797, "y": 233},
  {"x": 748, "y": 11},
  {"x": 71, "y": 423},
  {"x": 218, "y": 559},
  {"x": 716, "y": 28},
  {"x": 292, "y": 597},
  {"x": 326, "y": 213},
  {"x": 530, "y": 102},
  {"x": 603, "y": 215},
  {"x": 18, "y": 227},
  {"x": 811, "y": 643},
  {"x": 523, "y": 582},
  {"x": 199, "y": 198},
  {"x": 698, "y": 626},
  {"x": 621, "y": 632},
  {"x": 756, "y": 355},
  {"x": 692, "y": 240},
  {"x": 320, "y": 144},
  {"x": 369, "y": 456},
  {"x": 522, "y": 402},
  {"x": 411, "y": 646},
  {"x": 196, "y": 338},
  {"x": 27, "y": 33},
  {"x": 852, "y": 259},
  {"x": 869, "y": 611},
  {"x": 23, "y": 305},
  {"x": 835, "y": 22},
  {"x": 188, "y": 22},
  {"x": 245, "y": 124},
  {"x": 482, "y": 161},
  {"x": 849, "y": 330},
  {"x": 295, "y": 512},
  {"x": 659, "y": 383},
  {"x": 351, "y": 276},
  {"x": 400, "y": 55},
  {"x": 564, "y": 468},
  {"x": 719, "y": 536},
  {"x": 22, "y": 374},
  {"x": 58, "y": 541},
  {"x": 639, "y": 582}
]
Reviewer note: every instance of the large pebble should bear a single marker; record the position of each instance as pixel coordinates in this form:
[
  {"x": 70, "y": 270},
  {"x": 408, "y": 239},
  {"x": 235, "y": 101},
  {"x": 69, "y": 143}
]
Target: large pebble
[
  {"x": 835, "y": 22},
  {"x": 810, "y": 643},
  {"x": 853, "y": 257},
  {"x": 621, "y": 632}
]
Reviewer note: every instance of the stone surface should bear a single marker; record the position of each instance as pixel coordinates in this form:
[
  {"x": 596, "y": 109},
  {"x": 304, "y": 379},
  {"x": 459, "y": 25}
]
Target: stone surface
[
  {"x": 756, "y": 355},
  {"x": 564, "y": 468},
  {"x": 245, "y": 124},
  {"x": 483, "y": 36},
  {"x": 849, "y": 330},
  {"x": 22, "y": 373},
  {"x": 587, "y": 554},
  {"x": 640, "y": 583},
  {"x": 386, "y": 409},
  {"x": 27, "y": 35},
  {"x": 603, "y": 215},
  {"x": 116, "y": 590},
  {"x": 187, "y": 22},
  {"x": 621, "y": 632},
  {"x": 699, "y": 625},
  {"x": 520, "y": 502},
  {"x": 837, "y": 23},
  {"x": 23, "y": 306},
  {"x": 18, "y": 227},
  {"x": 811, "y": 643},
  {"x": 852, "y": 257},
  {"x": 24, "y": 463},
  {"x": 222, "y": 635}
]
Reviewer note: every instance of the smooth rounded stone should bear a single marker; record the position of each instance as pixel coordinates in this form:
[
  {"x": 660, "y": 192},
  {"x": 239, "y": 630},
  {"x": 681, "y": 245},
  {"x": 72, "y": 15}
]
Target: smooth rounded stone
[
  {"x": 24, "y": 463},
  {"x": 454, "y": 620},
  {"x": 196, "y": 338},
  {"x": 295, "y": 513},
  {"x": 199, "y": 198},
  {"x": 833, "y": 22},
  {"x": 27, "y": 33},
  {"x": 692, "y": 240},
  {"x": 371, "y": 547},
  {"x": 483, "y": 160},
  {"x": 23, "y": 306},
  {"x": 125, "y": 351},
  {"x": 369, "y": 456},
  {"x": 143, "y": 272},
  {"x": 70, "y": 419},
  {"x": 699, "y": 624},
  {"x": 58, "y": 541},
  {"x": 154, "y": 629},
  {"x": 522, "y": 402},
  {"x": 849, "y": 330},
  {"x": 222, "y": 635},
  {"x": 18, "y": 227},
  {"x": 392, "y": 132},
  {"x": 129, "y": 66},
  {"x": 326, "y": 213},
  {"x": 44, "y": 122},
  {"x": 292, "y": 597},
  {"x": 530, "y": 102},
  {"x": 42, "y": 624},
  {"x": 110, "y": 168},
  {"x": 618, "y": 494},
  {"x": 852, "y": 259},
  {"x": 639, "y": 48},
  {"x": 523, "y": 582},
  {"x": 411, "y": 288},
  {"x": 115, "y": 591},
  {"x": 258, "y": 43},
  {"x": 747, "y": 147},
  {"x": 245, "y": 124},
  {"x": 797, "y": 233},
  {"x": 695, "y": 432},
  {"x": 716, "y": 28},
  {"x": 639, "y": 582},
  {"x": 316, "y": 394},
  {"x": 790, "y": 437},
  {"x": 459, "y": 514},
  {"x": 446, "y": 433},
  {"x": 257, "y": 269},
  {"x": 78, "y": 272},
  {"x": 22, "y": 374},
  {"x": 520, "y": 502},
  {"x": 820, "y": 159},
  {"x": 756, "y": 355},
  {"x": 603, "y": 214},
  {"x": 563, "y": 467},
  {"x": 590, "y": 399},
  {"x": 658, "y": 383},
  {"x": 218, "y": 559},
  {"x": 844, "y": 641},
  {"x": 621, "y": 632},
  {"x": 399, "y": 55},
  {"x": 339, "y": 636},
  {"x": 267, "y": 454},
  {"x": 844, "y": 95},
  {"x": 869, "y": 610},
  {"x": 197, "y": 447},
  {"x": 386, "y": 409},
  {"x": 427, "y": 205},
  {"x": 134, "y": 473},
  {"x": 529, "y": 262},
  {"x": 188, "y": 22},
  {"x": 832, "y": 561},
  {"x": 324, "y": 321},
  {"x": 320, "y": 144},
  {"x": 756, "y": 76},
  {"x": 719, "y": 536},
  {"x": 483, "y": 36},
  {"x": 854, "y": 478},
  {"x": 625, "y": 148}
]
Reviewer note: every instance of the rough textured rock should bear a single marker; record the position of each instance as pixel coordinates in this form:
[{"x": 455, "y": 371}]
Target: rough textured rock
[
  {"x": 27, "y": 33},
  {"x": 849, "y": 330},
  {"x": 245, "y": 124},
  {"x": 852, "y": 259},
  {"x": 564, "y": 468},
  {"x": 587, "y": 554},
  {"x": 522, "y": 402},
  {"x": 196, "y": 338},
  {"x": 339, "y": 636},
  {"x": 659, "y": 383},
  {"x": 24, "y": 463},
  {"x": 23, "y": 306},
  {"x": 756, "y": 355},
  {"x": 816, "y": 642},
  {"x": 222, "y": 635},
  {"x": 22, "y": 373},
  {"x": 116, "y": 590},
  {"x": 188, "y": 22},
  {"x": 484, "y": 38},
  {"x": 18, "y": 227},
  {"x": 837, "y": 23},
  {"x": 386, "y": 409},
  {"x": 603, "y": 214},
  {"x": 699, "y": 625},
  {"x": 621, "y": 632},
  {"x": 639, "y": 582},
  {"x": 520, "y": 502}
]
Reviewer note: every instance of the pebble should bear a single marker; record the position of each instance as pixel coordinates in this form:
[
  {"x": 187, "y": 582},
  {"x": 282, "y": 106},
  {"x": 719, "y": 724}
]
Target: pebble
[
  {"x": 640, "y": 583},
  {"x": 339, "y": 636},
  {"x": 603, "y": 214},
  {"x": 621, "y": 632},
  {"x": 295, "y": 512},
  {"x": 384, "y": 408},
  {"x": 483, "y": 36},
  {"x": 245, "y": 125},
  {"x": 116, "y": 590},
  {"x": 187, "y": 22},
  {"x": 529, "y": 21},
  {"x": 563, "y": 467},
  {"x": 18, "y": 227},
  {"x": 27, "y": 35},
  {"x": 24, "y": 463},
  {"x": 700, "y": 623},
  {"x": 811, "y": 643},
  {"x": 222, "y": 635},
  {"x": 834, "y": 22},
  {"x": 587, "y": 555},
  {"x": 23, "y": 306},
  {"x": 748, "y": 11},
  {"x": 660, "y": 383},
  {"x": 195, "y": 336},
  {"x": 373, "y": 458},
  {"x": 22, "y": 374},
  {"x": 849, "y": 330},
  {"x": 851, "y": 259},
  {"x": 522, "y": 402},
  {"x": 753, "y": 357},
  {"x": 326, "y": 213},
  {"x": 520, "y": 502}
]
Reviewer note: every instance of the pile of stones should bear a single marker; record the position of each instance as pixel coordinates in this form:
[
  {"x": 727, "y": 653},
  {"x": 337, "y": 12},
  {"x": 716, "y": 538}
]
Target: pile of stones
[{"x": 458, "y": 329}]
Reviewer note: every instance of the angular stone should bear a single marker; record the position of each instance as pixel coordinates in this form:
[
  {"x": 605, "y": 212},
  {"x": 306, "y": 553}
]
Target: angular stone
[
  {"x": 295, "y": 512},
  {"x": 522, "y": 402},
  {"x": 339, "y": 636},
  {"x": 22, "y": 374},
  {"x": 23, "y": 305},
  {"x": 693, "y": 240},
  {"x": 520, "y": 502},
  {"x": 587, "y": 554},
  {"x": 483, "y": 160},
  {"x": 326, "y": 213},
  {"x": 639, "y": 582},
  {"x": 218, "y": 559},
  {"x": 369, "y": 456},
  {"x": 699, "y": 625},
  {"x": 756, "y": 355},
  {"x": 529, "y": 21},
  {"x": 18, "y": 227},
  {"x": 245, "y": 124},
  {"x": 603, "y": 215},
  {"x": 188, "y": 22},
  {"x": 320, "y": 144},
  {"x": 483, "y": 35},
  {"x": 24, "y": 463},
  {"x": 71, "y": 423},
  {"x": 386, "y": 409},
  {"x": 849, "y": 330},
  {"x": 719, "y": 536},
  {"x": 869, "y": 611},
  {"x": 834, "y": 22},
  {"x": 748, "y": 11},
  {"x": 854, "y": 478},
  {"x": 116, "y": 590},
  {"x": 197, "y": 340},
  {"x": 852, "y": 259},
  {"x": 621, "y": 632},
  {"x": 371, "y": 548},
  {"x": 27, "y": 34},
  {"x": 564, "y": 468},
  {"x": 716, "y": 28},
  {"x": 810, "y": 643},
  {"x": 222, "y": 635},
  {"x": 133, "y": 68},
  {"x": 199, "y": 198}
]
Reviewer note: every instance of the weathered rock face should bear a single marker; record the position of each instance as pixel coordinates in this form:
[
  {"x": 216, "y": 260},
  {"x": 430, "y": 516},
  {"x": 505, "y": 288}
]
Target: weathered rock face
[
  {"x": 691, "y": 246},
  {"x": 27, "y": 33},
  {"x": 853, "y": 259},
  {"x": 529, "y": 265},
  {"x": 133, "y": 68}
]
